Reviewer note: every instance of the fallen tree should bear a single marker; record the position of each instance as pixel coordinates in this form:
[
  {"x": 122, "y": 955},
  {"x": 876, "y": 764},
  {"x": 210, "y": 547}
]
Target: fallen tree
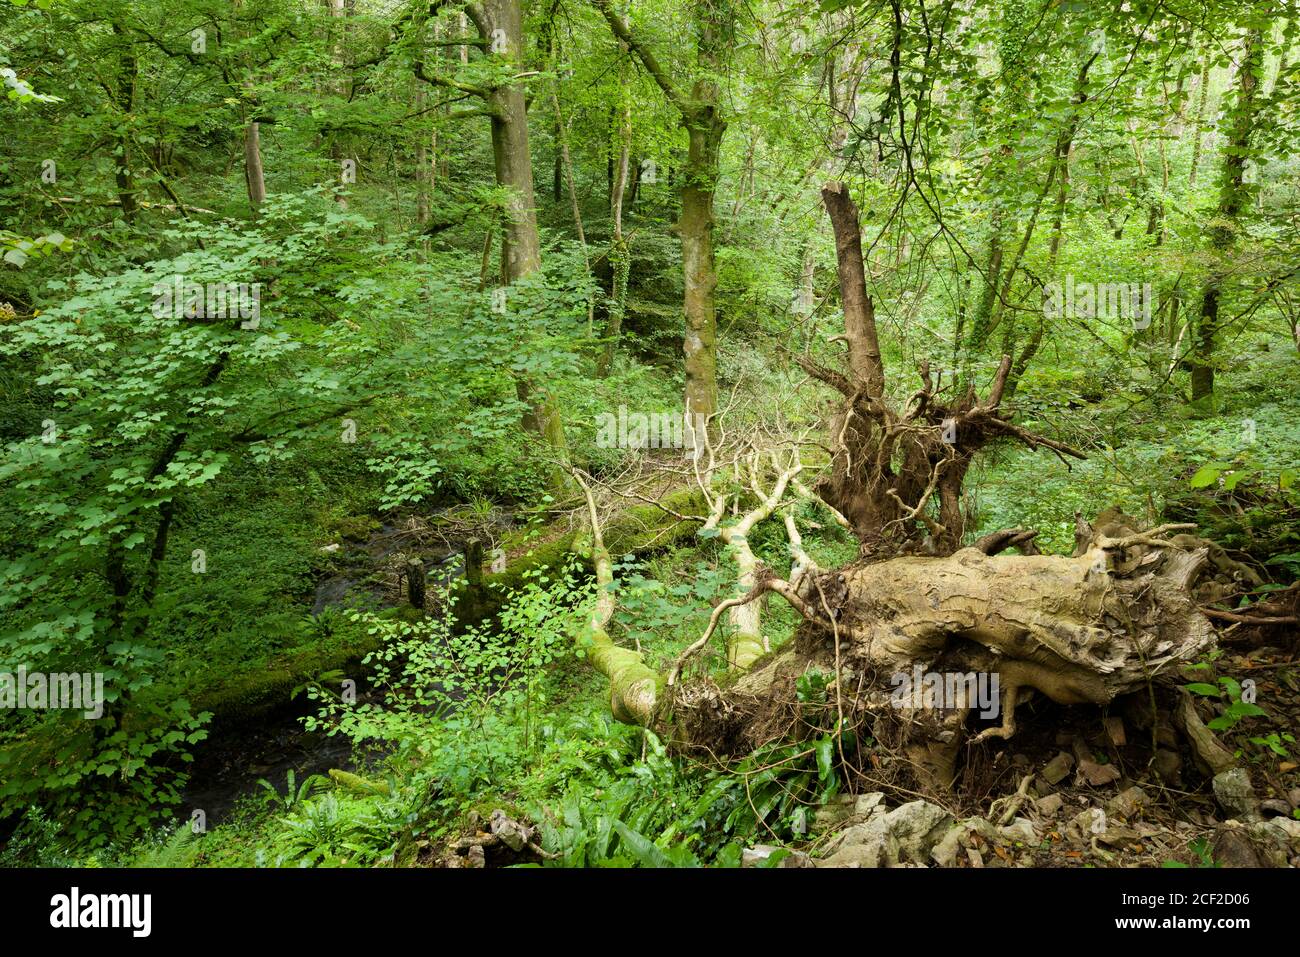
[{"x": 1117, "y": 615}]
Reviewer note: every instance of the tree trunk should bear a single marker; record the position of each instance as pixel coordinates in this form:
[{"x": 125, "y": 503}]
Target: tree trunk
[
  {"x": 1080, "y": 630},
  {"x": 1202, "y": 91},
  {"x": 521, "y": 251},
  {"x": 619, "y": 256},
  {"x": 416, "y": 580},
  {"x": 1232, "y": 195},
  {"x": 124, "y": 98},
  {"x": 253, "y": 164},
  {"x": 701, "y": 112},
  {"x": 695, "y": 227},
  {"x": 340, "y": 9},
  {"x": 423, "y": 167}
]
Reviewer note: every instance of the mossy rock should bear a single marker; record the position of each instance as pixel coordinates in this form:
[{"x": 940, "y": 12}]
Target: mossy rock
[{"x": 357, "y": 528}]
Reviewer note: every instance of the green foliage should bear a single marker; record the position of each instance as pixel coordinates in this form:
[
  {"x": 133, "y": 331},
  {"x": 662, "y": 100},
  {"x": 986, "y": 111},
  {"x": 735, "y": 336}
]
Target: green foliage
[{"x": 1235, "y": 708}]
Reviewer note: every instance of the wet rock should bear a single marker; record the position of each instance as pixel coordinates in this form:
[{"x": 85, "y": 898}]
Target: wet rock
[
  {"x": 859, "y": 855},
  {"x": 1274, "y": 841},
  {"x": 945, "y": 852},
  {"x": 510, "y": 832},
  {"x": 976, "y": 832},
  {"x": 1233, "y": 791},
  {"x": 866, "y": 805},
  {"x": 918, "y": 826},
  {"x": 960, "y": 837},
  {"x": 848, "y": 808},
  {"x": 834, "y": 813},
  {"x": 1087, "y": 824},
  {"x": 863, "y": 845},
  {"x": 1117, "y": 835},
  {"x": 1057, "y": 768},
  {"x": 1275, "y": 808},
  {"x": 1285, "y": 825},
  {"x": 755, "y": 855}
]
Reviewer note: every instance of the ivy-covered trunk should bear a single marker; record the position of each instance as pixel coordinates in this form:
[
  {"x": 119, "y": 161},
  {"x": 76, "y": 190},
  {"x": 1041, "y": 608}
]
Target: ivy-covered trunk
[{"x": 1223, "y": 232}]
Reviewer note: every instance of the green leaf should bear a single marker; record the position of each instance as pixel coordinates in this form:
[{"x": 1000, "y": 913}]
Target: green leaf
[
  {"x": 825, "y": 749},
  {"x": 646, "y": 851}
]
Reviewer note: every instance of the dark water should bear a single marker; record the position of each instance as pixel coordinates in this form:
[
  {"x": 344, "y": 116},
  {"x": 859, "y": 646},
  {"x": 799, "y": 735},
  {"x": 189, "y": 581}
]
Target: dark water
[
  {"x": 355, "y": 584},
  {"x": 230, "y": 764},
  {"x": 229, "y": 767}
]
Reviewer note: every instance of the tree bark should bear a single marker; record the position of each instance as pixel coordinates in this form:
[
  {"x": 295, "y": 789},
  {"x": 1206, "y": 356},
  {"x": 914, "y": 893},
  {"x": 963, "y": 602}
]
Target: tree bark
[
  {"x": 859, "y": 313},
  {"x": 1202, "y": 90},
  {"x": 701, "y": 112},
  {"x": 1222, "y": 233},
  {"x": 695, "y": 227},
  {"x": 124, "y": 99},
  {"x": 501, "y": 21},
  {"x": 619, "y": 255},
  {"x": 339, "y": 10},
  {"x": 253, "y": 164}
]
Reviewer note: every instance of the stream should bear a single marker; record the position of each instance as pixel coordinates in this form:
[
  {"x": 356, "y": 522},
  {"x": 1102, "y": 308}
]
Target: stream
[{"x": 230, "y": 764}]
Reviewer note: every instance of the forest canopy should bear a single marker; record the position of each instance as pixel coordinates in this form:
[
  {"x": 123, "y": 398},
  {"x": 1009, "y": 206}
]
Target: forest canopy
[{"x": 636, "y": 432}]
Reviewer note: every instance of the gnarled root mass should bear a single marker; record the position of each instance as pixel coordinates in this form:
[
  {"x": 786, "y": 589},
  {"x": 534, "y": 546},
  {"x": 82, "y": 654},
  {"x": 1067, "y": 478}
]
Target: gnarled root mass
[{"x": 927, "y": 647}]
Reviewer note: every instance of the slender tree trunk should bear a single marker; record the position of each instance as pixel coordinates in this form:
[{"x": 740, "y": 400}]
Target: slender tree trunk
[
  {"x": 253, "y": 164},
  {"x": 807, "y": 274},
  {"x": 695, "y": 227},
  {"x": 422, "y": 176},
  {"x": 634, "y": 181},
  {"x": 128, "y": 72},
  {"x": 701, "y": 112},
  {"x": 619, "y": 257},
  {"x": 423, "y": 168},
  {"x": 339, "y": 10},
  {"x": 1197, "y": 123},
  {"x": 1232, "y": 193},
  {"x": 566, "y": 168},
  {"x": 865, "y": 362}
]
